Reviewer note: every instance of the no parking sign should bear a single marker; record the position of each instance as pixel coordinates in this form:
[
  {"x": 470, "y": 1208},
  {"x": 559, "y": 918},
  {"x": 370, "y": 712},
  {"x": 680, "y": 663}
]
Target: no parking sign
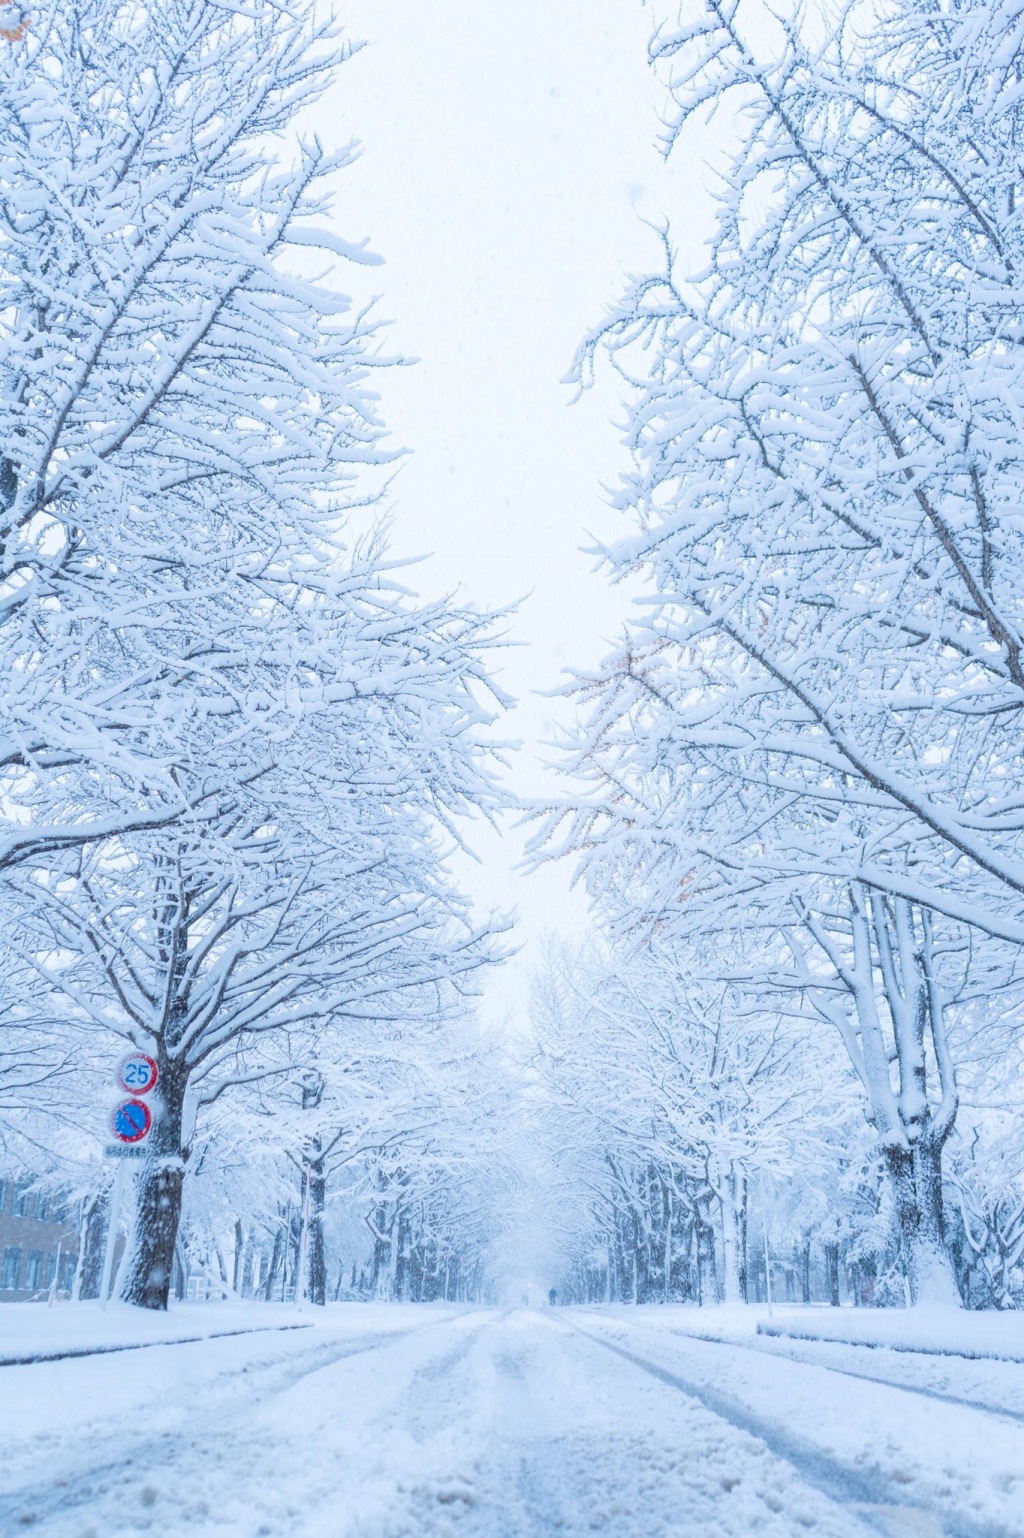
[{"x": 131, "y": 1121}]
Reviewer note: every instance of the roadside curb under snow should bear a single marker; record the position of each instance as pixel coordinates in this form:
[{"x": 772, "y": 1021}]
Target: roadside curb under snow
[
  {"x": 141, "y": 1345},
  {"x": 932, "y": 1347}
]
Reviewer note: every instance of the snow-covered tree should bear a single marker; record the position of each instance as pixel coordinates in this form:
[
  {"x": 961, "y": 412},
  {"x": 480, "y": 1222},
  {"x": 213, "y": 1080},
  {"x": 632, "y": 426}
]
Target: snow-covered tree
[
  {"x": 183, "y": 412},
  {"x": 675, "y": 1093},
  {"x": 236, "y": 753},
  {"x": 438, "y": 1189},
  {"x": 821, "y": 712},
  {"x": 989, "y": 1185},
  {"x": 316, "y": 894}
]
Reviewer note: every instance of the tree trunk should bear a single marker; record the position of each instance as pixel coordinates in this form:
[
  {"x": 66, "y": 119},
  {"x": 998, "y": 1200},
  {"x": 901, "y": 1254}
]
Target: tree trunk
[
  {"x": 317, "y": 1289},
  {"x": 805, "y": 1270},
  {"x": 382, "y": 1247},
  {"x": 276, "y": 1257},
  {"x": 313, "y": 1174},
  {"x": 666, "y": 1260},
  {"x": 740, "y": 1195},
  {"x": 147, "y": 1278},
  {"x": 707, "y": 1271},
  {"x": 238, "y": 1268},
  {"x": 832, "y": 1272},
  {"x": 916, "y": 1177},
  {"x": 92, "y": 1233},
  {"x": 394, "y": 1258},
  {"x": 704, "y": 1245},
  {"x": 732, "y": 1202}
]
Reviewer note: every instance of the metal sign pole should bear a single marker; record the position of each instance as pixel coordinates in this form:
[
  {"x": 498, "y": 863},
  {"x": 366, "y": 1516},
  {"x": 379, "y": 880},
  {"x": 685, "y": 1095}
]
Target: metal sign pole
[
  {"x": 56, "y": 1274},
  {"x": 112, "y": 1226}
]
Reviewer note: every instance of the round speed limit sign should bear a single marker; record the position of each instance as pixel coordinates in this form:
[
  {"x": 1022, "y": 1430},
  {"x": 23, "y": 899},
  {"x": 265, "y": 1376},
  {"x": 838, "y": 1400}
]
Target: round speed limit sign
[{"x": 138, "y": 1073}]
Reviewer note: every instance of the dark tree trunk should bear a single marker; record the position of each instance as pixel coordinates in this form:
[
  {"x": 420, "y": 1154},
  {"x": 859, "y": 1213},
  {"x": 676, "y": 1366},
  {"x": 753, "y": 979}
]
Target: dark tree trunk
[
  {"x": 704, "y": 1244},
  {"x": 743, "y": 1215},
  {"x": 400, "y": 1259},
  {"x": 294, "y": 1256},
  {"x": 832, "y": 1273},
  {"x": 380, "y": 1265},
  {"x": 238, "y": 1268},
  {"x": 317, "y": 1289},
  {"x": 915, "y": 1174},
  {"x": 805, "y": 1270},
  {"x": 158, "y": 1209},
  {"x": 314, "y": 1189},
  {"x": 158, "y": 1214},
  {"x": 276, "y": 1255}
]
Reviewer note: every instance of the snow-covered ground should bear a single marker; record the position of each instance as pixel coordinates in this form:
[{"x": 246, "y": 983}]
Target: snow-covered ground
[
  {"x": 394, "y": 1421},
  {"x": 920, "y": 1329},
  {"x": 30, "y": 1332}
]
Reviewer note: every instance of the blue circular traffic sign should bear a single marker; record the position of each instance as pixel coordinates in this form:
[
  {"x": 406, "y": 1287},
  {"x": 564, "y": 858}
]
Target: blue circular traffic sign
[
  {"x": 131, "y": 1121},
  {"x": 138, "y": 1073}
]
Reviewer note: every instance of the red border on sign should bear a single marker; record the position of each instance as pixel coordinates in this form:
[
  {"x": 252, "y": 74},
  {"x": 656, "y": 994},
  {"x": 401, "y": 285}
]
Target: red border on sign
[
  {"x": 134, "y": 1089},
  {"x": 147, "y": 1113},
  {"x": 17, "y": 32}
]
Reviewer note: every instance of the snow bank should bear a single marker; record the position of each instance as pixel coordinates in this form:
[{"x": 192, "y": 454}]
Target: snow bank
[
  {"x": 936, "y": 1331},
  {"x": 942, "y": 1332},
  {"x": 31, "y": 1332}
]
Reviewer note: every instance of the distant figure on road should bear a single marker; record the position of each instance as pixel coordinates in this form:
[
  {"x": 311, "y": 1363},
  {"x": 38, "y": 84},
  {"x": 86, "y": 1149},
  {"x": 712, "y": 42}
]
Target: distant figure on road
[
  {"x": 526, "y": 1300},
  {"x": 553, "y": 1296}
]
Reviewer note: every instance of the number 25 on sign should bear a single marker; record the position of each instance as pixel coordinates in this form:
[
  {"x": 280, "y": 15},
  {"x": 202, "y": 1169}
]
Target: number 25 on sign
[{"x": 138, "y": 1073}]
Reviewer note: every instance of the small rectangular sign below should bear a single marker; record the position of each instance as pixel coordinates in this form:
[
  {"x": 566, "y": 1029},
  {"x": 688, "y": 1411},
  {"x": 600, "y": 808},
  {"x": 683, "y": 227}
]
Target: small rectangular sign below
[{"x": 125, "y": 1151}]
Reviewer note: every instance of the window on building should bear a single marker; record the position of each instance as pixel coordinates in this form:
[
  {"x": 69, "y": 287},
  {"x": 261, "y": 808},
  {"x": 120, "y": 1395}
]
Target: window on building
[
  {"x": 3, "y": 1194},
  {"x": 60, "y": 1209},
  {"x": 67, "y": 1272},
  {"x": 34, "y": 1269},
  {"x": 43, "y": 1201},
  {"x": 12, "y": 1266},
  {"x": 49, "y": 1270},
  {"x": 22, "y": 1199}
]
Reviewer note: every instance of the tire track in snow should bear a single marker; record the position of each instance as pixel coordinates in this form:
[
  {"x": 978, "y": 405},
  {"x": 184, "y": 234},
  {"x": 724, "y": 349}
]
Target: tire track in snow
[
  {"x": 869, "y": 1497},
  {"x": 141, "y": 1345},
  {"x": 25, "y": 1508},
  {"x": 579, "y": 1446},
  {"x": 788, "y": 1355}
]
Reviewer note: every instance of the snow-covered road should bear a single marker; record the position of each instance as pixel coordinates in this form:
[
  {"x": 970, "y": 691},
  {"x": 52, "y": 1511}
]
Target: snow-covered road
[{"x": 380, "y": 1422}]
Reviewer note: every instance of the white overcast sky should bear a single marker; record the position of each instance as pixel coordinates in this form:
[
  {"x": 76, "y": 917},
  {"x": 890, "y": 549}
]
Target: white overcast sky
[{"x": 509, "y": 154}]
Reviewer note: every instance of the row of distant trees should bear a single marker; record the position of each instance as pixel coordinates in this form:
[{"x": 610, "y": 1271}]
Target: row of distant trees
[
  {"x": 697, "y": 1140},
  {"x": 803, "y": 818},
  {"x": 236, "y": 752}
]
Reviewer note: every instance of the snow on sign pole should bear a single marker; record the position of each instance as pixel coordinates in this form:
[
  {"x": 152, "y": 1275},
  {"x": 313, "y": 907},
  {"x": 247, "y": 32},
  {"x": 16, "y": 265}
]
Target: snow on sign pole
[
  {"x": 130, "y": 1123},
  {"x": 113, "y": 1220}
]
